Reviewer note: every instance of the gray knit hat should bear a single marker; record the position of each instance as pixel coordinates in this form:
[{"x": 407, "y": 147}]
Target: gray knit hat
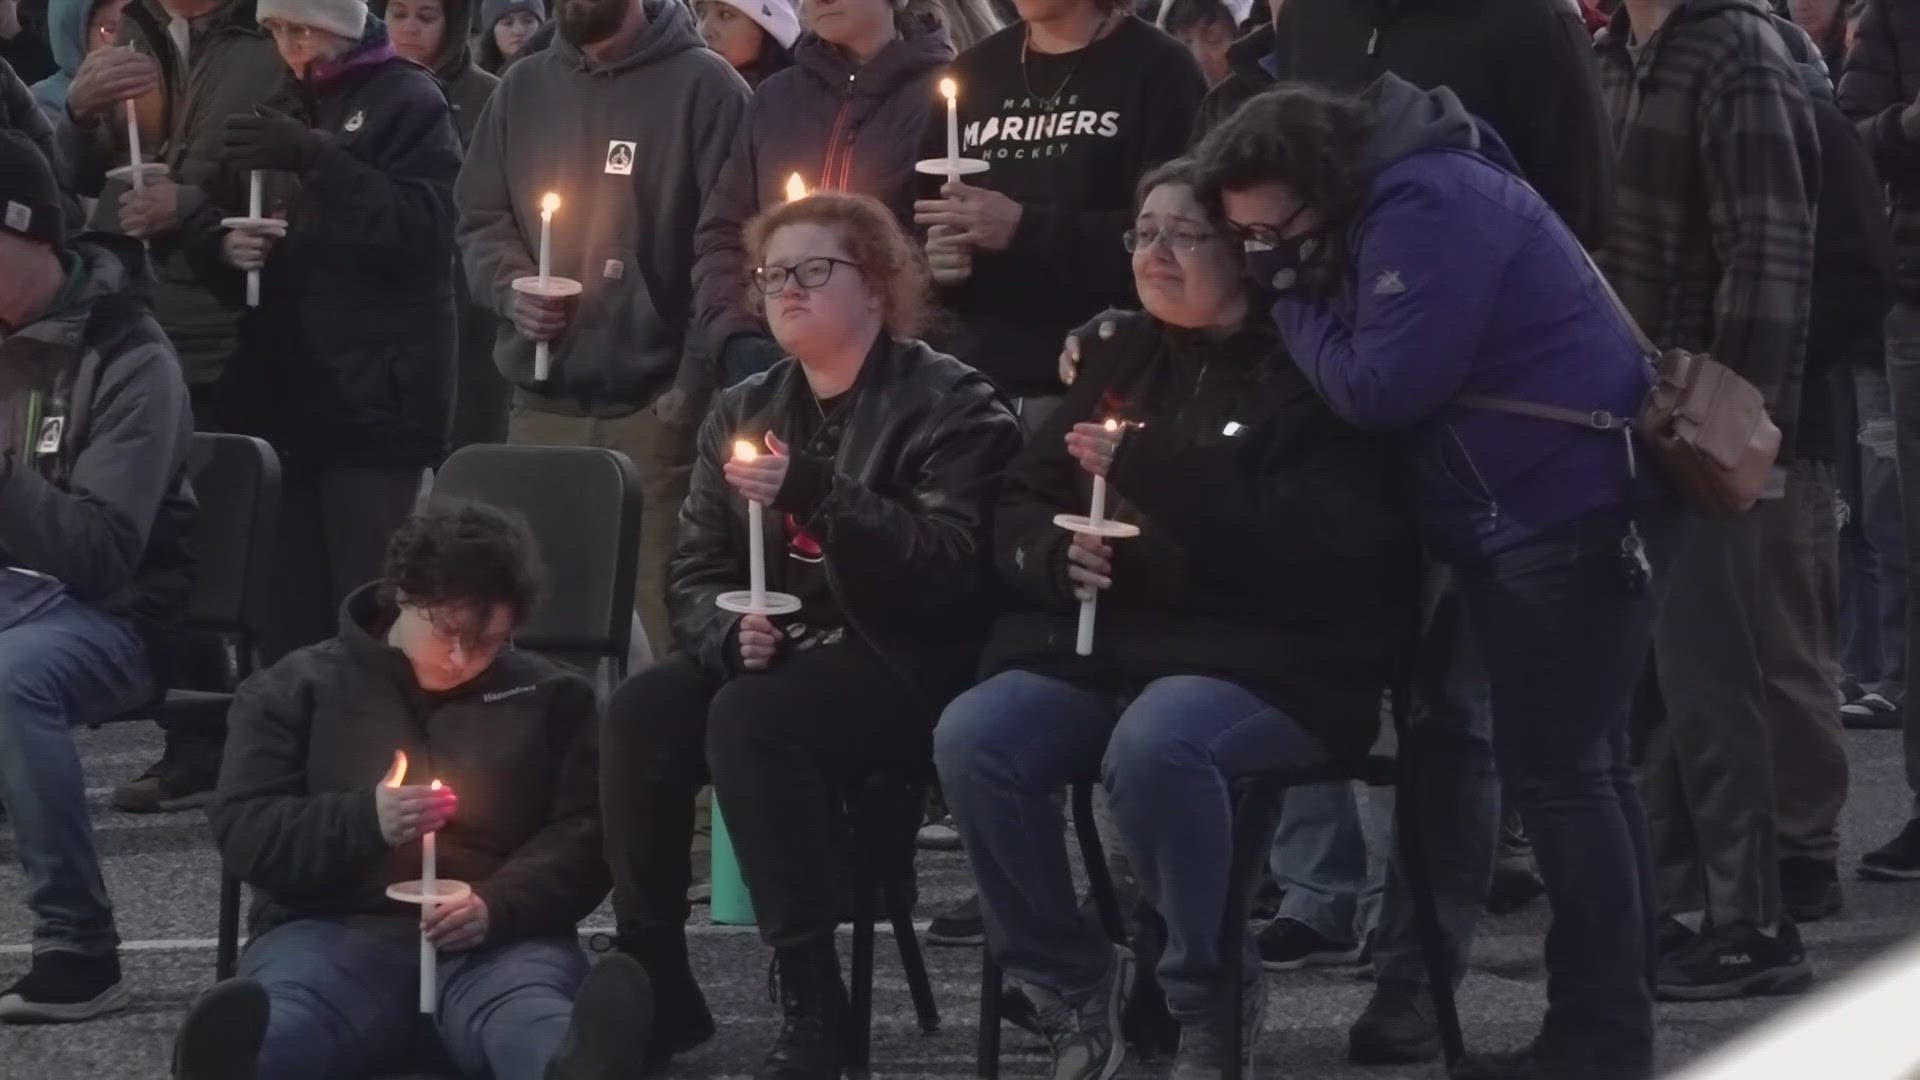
[
  {"x": 492, "y": 11},
  {"x": 347, "y": 18}
]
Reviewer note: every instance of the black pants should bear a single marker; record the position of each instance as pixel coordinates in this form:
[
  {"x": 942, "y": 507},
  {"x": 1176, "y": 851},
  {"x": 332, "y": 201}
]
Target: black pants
[
  {"x": 334, "y": 525},
  {"x": 781, "y": 746}
]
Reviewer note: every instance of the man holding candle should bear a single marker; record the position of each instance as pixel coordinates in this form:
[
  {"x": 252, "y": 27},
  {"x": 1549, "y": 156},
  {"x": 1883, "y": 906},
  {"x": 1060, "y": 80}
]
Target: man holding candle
[
  {"x": 423, "y": 664},
  {"x": 628, "y": 119}
]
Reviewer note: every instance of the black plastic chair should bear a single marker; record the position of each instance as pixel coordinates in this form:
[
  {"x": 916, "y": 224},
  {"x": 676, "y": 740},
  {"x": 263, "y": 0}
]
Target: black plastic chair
[
  {"x": 583, "y": 505},
  {"x": 884, "y": 816}
]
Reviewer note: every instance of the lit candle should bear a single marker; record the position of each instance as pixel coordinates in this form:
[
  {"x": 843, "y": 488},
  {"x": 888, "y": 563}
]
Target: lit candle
[
  {"x": 756, "y": 541},
  {"x": 796, "y": 188},
  {"x": 254, "y": 211},
  {"x": 1083, "y": 640},
  {"x": 133, "y": 146},
  {"x": 1098, "y": 514},
  {"x": 952, "y": 93},
  {"x": 543, "y": 351},
  {"x": 429, "y": 958}
]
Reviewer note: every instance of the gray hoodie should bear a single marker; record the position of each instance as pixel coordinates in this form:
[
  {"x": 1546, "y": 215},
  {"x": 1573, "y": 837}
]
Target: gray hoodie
[{"x": 632, "y": 148}]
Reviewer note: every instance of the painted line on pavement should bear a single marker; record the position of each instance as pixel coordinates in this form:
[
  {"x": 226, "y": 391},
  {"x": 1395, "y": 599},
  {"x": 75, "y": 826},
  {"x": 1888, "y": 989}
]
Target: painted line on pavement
[{"x": 161, "y": 945}]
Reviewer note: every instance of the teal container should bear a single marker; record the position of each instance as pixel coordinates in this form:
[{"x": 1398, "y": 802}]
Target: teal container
[{"x": 730, "y": 906}]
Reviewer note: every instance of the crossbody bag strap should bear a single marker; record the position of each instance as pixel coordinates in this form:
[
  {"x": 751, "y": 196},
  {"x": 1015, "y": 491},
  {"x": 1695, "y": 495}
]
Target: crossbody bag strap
[{"x": 1596, "y": 419}]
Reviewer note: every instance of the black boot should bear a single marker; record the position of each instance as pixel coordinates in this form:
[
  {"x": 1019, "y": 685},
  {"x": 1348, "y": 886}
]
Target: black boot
[
  {"x": 812, "y": 1043},
  {"x": 681, "y": 1019},
  {"x": 612, "y": 1024}
]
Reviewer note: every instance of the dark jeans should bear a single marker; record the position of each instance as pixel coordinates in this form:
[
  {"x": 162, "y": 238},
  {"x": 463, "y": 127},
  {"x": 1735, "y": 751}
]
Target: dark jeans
[
  {"x": 1903, "y": 381},
  {"x": 345, "y": 1002},
  {"x": 781, "y": 747},
  {"x": 1873, "y": 553},
  {"x": 70, "y": 664},
  {"x": 1004, "y": 747},
  {"x": 1564, "y": 640}
]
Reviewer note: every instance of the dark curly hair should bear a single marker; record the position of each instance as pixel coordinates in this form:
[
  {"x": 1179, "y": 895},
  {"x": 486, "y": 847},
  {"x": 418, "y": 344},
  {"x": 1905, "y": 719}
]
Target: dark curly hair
[
  {"x": 1301, "y": 136},
  {"x": 463, "y": 553}
]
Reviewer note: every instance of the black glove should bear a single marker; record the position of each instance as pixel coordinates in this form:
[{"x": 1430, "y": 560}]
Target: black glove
[{"x": 270, "y": 140}]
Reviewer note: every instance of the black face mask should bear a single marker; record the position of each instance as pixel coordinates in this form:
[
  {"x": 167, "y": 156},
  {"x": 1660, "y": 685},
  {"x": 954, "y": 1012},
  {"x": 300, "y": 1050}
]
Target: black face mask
[{"x": 1290, "y": 263}]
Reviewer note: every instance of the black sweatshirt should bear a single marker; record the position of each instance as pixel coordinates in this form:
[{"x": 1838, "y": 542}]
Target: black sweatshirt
[{"x": 1124, "y": 104}]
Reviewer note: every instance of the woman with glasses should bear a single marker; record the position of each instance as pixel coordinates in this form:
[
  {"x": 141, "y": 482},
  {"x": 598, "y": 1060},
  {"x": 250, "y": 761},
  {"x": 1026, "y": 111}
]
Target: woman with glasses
[
  {"x": 874, "y": 462},
  {"x": 345, "y": 366},
  {"x": 1251, "y": 623},
  {"x": 1425, "y": 288}
]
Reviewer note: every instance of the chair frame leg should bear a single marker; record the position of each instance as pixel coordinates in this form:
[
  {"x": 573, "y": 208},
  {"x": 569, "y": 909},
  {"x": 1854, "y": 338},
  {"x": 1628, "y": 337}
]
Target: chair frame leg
[
  {"x": 992, "y": 985},
  {"x": 900, "y": 912},
  {"x": 1094, "y": 855},
  {"x": 1426, "y": 911},
  {"x": 227, "y": 949},
  {"x": 1250, "y": 842},
  {"x": 860, "y": 1012}
]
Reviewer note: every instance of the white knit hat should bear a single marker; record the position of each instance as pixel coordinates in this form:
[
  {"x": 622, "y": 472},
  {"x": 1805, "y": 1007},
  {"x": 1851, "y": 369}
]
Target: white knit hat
[
  {"x": 776, "y": 17},
  {"x": 347, "y": 18}
]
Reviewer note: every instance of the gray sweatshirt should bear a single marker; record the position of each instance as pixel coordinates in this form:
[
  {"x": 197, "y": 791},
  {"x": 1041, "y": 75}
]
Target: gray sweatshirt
[{"x": 631, "y": 147}]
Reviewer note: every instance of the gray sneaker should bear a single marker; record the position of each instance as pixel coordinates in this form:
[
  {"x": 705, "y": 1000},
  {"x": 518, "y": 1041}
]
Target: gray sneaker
[
  {"x": 1203, "y": 1046},
  {"x": 1084, "y": 1031}
]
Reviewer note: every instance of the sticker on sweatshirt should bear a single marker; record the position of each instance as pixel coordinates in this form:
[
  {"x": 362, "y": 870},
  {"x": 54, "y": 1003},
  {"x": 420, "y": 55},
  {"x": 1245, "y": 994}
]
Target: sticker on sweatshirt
[
  {"x": 355, "y": 121},
  {"x": 1029, "y": 127},
  {"x": 19, "y": 217},
  {"x": 620, "y": 157},
  {"x": 1389, "y": 284},
  {"x": 52, "y": 429},
  {"x": 614, "y": 270}
]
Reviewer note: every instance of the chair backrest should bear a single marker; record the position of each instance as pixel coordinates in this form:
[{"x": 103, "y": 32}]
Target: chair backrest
[
  {"x": 583, "y": 505},
  {"x": 236, "y": 481}
]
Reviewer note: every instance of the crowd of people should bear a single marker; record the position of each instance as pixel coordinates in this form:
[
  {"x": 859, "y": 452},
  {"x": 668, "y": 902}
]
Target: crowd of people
[{"x": 1338, "y": 315}]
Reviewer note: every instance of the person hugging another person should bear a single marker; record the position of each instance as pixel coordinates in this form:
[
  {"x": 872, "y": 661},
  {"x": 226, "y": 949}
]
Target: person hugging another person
[
  {"x": 877, "y": 460},
  {"x": 318, "y": 813},
  {"x": 1252, "y": 624},
  {"x": 756, "y": 37},
  {"x": 505, "y": 28},
  {"x": 847, "y": 116}
]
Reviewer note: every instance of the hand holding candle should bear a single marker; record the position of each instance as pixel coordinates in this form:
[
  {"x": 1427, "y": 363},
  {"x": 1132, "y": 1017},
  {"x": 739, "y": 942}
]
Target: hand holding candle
[
  {"x": 758, "y": 478},
  {"x": 543, "y": 351},
  {"x": 254, "y": 210},
  {"x": 1089, "y": 557},
  {"x": 429, "y": 891},
  {"x": 540, "y": 310}
]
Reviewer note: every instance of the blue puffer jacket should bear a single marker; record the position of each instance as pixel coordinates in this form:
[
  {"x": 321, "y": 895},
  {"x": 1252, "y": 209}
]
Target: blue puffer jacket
[{"x": 1465, "y": 282}]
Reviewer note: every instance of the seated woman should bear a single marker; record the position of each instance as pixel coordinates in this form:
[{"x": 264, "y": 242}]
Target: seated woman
[
  {"x": 313, "y": 814},
  {"x": 1425, "y": 287},
  {"x": 1250, "y": 624},
  {"x": 878, "y": 462}
]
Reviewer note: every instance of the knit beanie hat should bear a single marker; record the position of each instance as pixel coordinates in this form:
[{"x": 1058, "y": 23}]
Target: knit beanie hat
[
  {"x": 29, "y": 197},
  {"x": 493, "y": 11},
  {"x": 347, "y": 18},
  {"x": 776, "y": 17}
]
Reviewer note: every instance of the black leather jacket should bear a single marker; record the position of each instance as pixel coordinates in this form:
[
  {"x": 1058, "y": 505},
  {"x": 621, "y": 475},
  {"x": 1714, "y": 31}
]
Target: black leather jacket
[{"x": 903, "y": 514}]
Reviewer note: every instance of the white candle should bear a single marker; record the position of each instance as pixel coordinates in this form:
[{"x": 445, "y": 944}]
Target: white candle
[
  {"x": 429, "y": 959},
  {"x": 254, "y": 211},
  {"x": 756, "y": 537},
  {"x": 1083, "y": 640},
  {"x": 543, "y": 351},
  {"x": 952, "y": 93},
  {"x": 133, "y": 146}
]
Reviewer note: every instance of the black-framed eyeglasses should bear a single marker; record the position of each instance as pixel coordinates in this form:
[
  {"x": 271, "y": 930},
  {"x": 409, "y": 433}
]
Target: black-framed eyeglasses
[
  {"x": 1258, "y": 237},
  {"x": 1178, "y": 241},
  {"x": 810, "y": 273}
]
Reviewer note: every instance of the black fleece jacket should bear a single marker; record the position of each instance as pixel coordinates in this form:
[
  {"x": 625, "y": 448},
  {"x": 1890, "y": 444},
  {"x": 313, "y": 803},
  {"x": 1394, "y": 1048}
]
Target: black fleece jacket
[{"x": 310, "y": 737}]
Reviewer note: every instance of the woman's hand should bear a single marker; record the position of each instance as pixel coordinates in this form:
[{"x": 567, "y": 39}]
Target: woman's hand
[
  {"x": 150, "y": 210},
  {"x": 759, "y": 480},
  {"x": 405, "y": 813},
  {"x": 457, "y": 926},
  {"x": 1093, "y": 446},
  {"x": 759, "y": 641},
  {"x": 1089, "y": 565},
  {"x": 247, "y": 249}
]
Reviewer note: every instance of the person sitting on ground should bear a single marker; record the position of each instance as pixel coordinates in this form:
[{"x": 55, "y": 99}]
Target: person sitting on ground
[
  {"x": 878, "y": 460},
  {"x": 506, "y": 26},
  {"x": 313, "y": 814},
  {"x": 95, "y": 512},
  {"x": 755, "y": 37},
  {"x": 1252, "y": 623}
]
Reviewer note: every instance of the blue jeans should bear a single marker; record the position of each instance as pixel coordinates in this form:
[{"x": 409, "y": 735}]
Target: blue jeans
[
  {"x": 345, "y": 1002},
  {"x": 1005, "y": 746},
  {"x": 1333, "y": 875},
  {"x": 69, "y": 664},
  {"x": 1565, "y": 641},
  {"x": 1873, "y": 554}
]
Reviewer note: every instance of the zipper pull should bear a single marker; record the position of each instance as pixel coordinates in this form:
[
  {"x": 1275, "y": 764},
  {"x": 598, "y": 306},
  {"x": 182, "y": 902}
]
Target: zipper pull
[{"x": 1373, "y": 43}]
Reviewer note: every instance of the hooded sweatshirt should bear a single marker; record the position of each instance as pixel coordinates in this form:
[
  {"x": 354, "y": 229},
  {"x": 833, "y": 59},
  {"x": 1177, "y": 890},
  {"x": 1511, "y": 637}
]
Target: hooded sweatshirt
[
  {"x": 487, "y": 49},
  {"x": 1464, "y": 281},
  {"x": 840, "y": 127},
  {"x": 632, "y": 148},
  {"x": 67, "y": 34},
  {"x": 468, "y": 87}
]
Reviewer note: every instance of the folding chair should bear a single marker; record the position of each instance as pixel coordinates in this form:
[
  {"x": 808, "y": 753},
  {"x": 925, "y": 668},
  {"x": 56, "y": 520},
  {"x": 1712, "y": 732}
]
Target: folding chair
[
  {"x": 884, "y": 815},
  {"x": 583, "y": 505}
]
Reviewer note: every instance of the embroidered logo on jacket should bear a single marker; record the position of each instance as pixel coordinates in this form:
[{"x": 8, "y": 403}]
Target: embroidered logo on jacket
[
  {"x": 355, "y": 121},
  {"x": 502, "y": 695},
  {"x": 1388, "y": 284}
]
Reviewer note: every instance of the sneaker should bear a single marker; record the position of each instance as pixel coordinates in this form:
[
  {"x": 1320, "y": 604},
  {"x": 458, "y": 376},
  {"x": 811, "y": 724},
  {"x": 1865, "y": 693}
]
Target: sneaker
[
  {"x": 1671, "y": 936},
  {"x": 1289, "y": 945},
  {"x": 222, "y": 1035},
  {"x": 1396, "y": 1028},
  {"x": 1810, "y": 888},
  {"x": 1203, "y": 1046},
  {"x": 183, "y": 779},
  {"x": 612, "y": 1023},
  {"x": 63, "y": 987},
  {"x": 939, "y": 835},
  {"x": 1870, "y": 712},
  {"x": 960, "y": 925},
  {"x": 1899, "y": 860},
  {"x": 1515, "y": 885},
  {"x": 681, "y": 1019},
  {"x": 1736, "y": 961},
  {"x": 1084, "y": 1032}
]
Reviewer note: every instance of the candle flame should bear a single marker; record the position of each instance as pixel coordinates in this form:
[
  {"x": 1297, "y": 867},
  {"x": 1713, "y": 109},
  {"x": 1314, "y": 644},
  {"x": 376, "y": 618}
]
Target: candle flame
[
  {"x": 398, "y": 772},
  {"x": 949, "y": 89},
  {"x": 796, "y": 188},
  {"x": 435, "y": 785},
  {"x": 745, "y": 451},
  {"x": 1112, "y": 424},
  {"x": 549, "y": 203}
]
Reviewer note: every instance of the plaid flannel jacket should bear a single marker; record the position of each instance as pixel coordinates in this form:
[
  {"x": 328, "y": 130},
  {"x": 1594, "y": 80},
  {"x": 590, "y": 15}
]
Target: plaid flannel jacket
[{"x": 1717, "y": 173}]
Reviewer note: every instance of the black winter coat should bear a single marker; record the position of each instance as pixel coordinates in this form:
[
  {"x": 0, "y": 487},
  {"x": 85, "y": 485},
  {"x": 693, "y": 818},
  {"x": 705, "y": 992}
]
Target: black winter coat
[
  {"x": 349, "y": 358},
  {"x": 310, "y": 738},
  {"x": 841, "y": 128},
  {"x": 1274, "y": 549},
  {"x": 1248, "y": 75},
  {"x": 1882, "y": 78},
  {"x": 901, "y": 515}
]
